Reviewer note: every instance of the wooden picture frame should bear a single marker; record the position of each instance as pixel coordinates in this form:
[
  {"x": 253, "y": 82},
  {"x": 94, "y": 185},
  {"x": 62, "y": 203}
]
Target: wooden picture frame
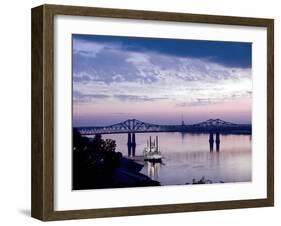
[{"x": 42, "y": 205}]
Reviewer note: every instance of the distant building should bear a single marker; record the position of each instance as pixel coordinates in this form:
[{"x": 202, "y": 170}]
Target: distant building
[{"x": 182, "y": 121}]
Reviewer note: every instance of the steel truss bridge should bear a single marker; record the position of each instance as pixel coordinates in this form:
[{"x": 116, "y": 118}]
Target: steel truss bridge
[{"x": 136, "y": 126}]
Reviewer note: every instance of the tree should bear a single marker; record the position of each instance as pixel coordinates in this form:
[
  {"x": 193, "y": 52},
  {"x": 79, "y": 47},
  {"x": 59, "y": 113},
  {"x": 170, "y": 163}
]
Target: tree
[{"x": 93, "y": 161}]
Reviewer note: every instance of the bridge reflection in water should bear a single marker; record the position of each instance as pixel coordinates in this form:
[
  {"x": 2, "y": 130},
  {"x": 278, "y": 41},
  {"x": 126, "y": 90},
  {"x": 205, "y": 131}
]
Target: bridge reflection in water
[
  {"x": 217, "y": 141},
  {"x": 132, "y": 126}
]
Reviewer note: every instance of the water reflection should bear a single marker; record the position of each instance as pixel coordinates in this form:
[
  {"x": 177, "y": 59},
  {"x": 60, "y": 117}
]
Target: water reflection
[
  {"x": 211, "y": 141},
  {"x": 153, "y": 169},
  {"x": 217, "y": 141},
  {"x": 187, "y": 156}
]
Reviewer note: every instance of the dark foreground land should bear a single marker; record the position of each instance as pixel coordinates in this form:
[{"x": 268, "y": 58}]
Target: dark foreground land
[{"x": 96, "y": 165}]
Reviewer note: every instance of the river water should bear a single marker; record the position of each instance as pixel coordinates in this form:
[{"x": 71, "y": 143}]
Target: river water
[{"x": 187, "y": 156}]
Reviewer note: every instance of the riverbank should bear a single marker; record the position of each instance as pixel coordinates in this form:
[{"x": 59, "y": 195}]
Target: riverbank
[
  {"x": 97, "y": 165},
  {"x": 128, "y": 175}
]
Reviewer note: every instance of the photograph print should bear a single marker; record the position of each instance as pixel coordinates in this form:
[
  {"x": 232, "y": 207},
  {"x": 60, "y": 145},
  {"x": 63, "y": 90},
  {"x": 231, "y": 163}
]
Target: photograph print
[{"x": 160, "y": 112}]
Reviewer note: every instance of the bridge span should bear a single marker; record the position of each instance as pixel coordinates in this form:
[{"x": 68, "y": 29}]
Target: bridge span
[
  {"x": 214, "y": 127},
  {"x": 136, "y": 126}
]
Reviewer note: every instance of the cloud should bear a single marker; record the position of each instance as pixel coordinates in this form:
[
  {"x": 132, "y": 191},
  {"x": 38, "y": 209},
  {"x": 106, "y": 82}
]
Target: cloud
[
  {"x": 110, "y": 71},
  {"x": 86, "y": 48},
  {"x": 197, "y": 102},
  {"x": 214, "y": 100},
  {"x": 84, "y": 98},
  {"x": 79, "y": 97},
  {"x": 84, "y": 78},
  {"x": 137, "y": 98}
]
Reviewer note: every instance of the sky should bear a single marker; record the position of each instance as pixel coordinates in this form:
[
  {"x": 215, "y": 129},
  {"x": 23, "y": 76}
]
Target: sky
[{"x": 159, "y": 80}]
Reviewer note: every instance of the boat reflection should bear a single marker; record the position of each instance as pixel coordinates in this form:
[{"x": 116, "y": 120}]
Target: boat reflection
[{"x": 153, "y": 169}]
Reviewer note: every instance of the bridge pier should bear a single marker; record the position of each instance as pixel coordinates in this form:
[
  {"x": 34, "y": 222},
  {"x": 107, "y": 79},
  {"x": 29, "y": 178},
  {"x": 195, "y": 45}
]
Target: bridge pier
[
  {"x": 131, "y": 144},
  {"x": 134, "y": 144}
]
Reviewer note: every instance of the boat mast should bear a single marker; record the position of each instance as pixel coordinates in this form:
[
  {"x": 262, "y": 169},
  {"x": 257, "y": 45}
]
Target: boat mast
[{"x": 156, "y": 143}]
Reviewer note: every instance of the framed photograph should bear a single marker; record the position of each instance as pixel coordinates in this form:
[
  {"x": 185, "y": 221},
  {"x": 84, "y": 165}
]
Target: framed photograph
[{"x": 141, "y": 112}]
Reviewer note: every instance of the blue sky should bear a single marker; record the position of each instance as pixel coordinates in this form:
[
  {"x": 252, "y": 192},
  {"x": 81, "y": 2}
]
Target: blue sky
[
  {"x": 157, "y": 80},
  {"x": 225, "y": 53}
]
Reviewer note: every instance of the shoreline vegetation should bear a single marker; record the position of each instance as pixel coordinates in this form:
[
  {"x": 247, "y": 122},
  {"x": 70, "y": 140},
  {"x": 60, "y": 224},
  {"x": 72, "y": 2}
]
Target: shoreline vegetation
[
  {"x": 97, "y": 164},
  {"x": 203, "y": 180}
]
